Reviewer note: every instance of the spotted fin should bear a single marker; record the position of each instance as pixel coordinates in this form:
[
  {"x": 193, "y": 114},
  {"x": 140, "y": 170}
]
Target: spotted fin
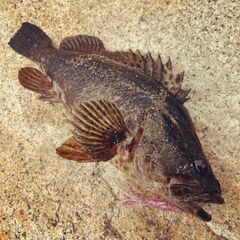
[
  {"x": 173, "y": 82},
  {"x": 36, "y": 81},
  {"x": 83, "y": 43},
  {"x": 98, "y": 129}
]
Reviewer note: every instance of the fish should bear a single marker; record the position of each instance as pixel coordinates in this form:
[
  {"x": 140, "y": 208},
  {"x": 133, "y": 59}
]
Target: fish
[{"x": 126, "y": 109}]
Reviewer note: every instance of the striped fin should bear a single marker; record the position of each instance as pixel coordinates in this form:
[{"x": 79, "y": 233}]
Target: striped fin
[
  {"x": 72, "y": 150},
  {"x": 98, "y": 129},
  {"x": 83, "y": 43},
  {"x": 36, "y": 81}
]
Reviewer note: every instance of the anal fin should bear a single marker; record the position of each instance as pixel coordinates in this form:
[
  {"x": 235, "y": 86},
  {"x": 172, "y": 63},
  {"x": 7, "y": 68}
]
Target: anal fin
[
  {"x": 98, "y": 130},
  {"x": 36, "y": 81}
]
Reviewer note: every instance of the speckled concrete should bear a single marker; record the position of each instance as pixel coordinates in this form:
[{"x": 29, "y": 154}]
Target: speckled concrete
[{"x": 45, "y": 197}]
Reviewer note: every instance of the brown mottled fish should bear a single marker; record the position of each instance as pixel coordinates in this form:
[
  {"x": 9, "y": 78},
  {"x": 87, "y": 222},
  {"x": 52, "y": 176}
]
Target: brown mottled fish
[{"x": 126, "y": 108}]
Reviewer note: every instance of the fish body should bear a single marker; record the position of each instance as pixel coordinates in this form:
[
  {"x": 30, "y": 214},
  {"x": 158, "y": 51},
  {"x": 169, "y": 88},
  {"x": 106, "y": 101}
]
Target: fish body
[{"x": 126, "y": 108}]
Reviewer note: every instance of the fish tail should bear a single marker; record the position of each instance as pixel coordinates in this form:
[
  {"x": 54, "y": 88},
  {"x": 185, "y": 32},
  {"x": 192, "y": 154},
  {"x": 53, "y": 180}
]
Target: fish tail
[{"x": 28, "y": 40}]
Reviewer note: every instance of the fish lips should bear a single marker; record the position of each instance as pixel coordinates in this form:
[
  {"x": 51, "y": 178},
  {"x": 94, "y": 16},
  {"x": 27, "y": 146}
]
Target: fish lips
[{"x": 195, "y": 193}]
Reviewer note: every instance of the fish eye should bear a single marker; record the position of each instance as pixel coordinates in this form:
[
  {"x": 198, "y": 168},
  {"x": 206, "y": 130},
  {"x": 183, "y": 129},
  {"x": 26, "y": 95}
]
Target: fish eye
[{"x": 201, "y": 166}]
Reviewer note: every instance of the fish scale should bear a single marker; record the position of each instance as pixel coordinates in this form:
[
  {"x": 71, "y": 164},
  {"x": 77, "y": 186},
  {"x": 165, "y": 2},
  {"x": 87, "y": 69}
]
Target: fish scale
[{"x": 126, "y": 109}]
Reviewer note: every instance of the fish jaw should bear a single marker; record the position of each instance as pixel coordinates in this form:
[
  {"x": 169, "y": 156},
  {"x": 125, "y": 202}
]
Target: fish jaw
[
  {"x": 166, "y": 205},
  {"x": 162, "y": 197},
  {"x": 187, "y": 194},
  {"x": 195, "y": 209},
  {"x": 188, "y": 190},
  {"x": 161, "y": 202},
  {"x": 154, "y": 196}
]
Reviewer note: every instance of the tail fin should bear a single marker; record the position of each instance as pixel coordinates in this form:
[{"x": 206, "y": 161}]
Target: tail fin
[{"x": 28, "y": 39}]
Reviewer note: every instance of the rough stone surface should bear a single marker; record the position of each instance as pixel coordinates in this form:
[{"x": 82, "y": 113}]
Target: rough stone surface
[{"x": 45, "y": 197}]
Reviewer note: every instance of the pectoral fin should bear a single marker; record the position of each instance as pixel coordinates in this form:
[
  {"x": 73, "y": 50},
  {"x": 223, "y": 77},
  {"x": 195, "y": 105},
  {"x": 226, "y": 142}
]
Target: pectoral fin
[
  {"x": 99, "y": 127},
  {"x": 36, "y": 81},
  {"x": 72, "y": 150}
]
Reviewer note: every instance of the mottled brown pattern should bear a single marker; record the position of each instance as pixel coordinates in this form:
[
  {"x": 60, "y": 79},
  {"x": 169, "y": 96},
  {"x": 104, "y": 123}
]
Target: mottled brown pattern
[{"x": 162, "y": 151}]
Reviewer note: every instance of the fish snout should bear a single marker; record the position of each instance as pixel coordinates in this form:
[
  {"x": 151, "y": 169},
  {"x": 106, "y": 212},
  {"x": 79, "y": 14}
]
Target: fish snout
[{"x": 215, "y": 192}]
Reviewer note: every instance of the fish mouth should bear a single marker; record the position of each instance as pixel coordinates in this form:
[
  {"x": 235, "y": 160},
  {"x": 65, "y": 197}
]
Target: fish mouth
[
  {"x": 195, "y": 209},
  {"x": 192, "y": 191},
  {"x": 188, "y": 196}
]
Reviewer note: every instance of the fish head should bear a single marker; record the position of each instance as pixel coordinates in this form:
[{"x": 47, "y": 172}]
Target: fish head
[
  {"x": 190, "y": 184},
  {"x": 179, "y": 164},
  {"x": 194, "y": 182},
  {"x": 187, "y": 178}
]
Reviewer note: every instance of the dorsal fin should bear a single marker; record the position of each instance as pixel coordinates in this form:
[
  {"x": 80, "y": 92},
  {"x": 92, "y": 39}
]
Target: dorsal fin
[
  {"x": 157, "y": 69},
  {"x": 130, "y": 59},
  {"x": 182, "y": 95},
  {"x": 160, "y": 73},
  {"x": 144, "y": 63},
  {"x": 149, "y": 63},
  {"x": 174, "y": 82},
  {"x": 98, "y": 129},
  {"x": 83, "y": 43}
]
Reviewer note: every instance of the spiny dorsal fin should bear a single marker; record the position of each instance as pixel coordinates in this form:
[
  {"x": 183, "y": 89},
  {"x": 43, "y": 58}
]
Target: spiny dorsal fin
[
  {"x": 157, "y": 69},
  {"x": 149, "y": 63},
  {"x": 160, "y": 73},
  {"x": 168, "y": 64},
  {"x": 144, "y": 63},
  {"x": 182, "y": 95},
  {"x": 36, "y": 81},
  {"x": 83, "y": 43},
  {"x": 98, "y": 129},
  {"x": 130, "y": 59},
  {"x": 174, "y": 82}
]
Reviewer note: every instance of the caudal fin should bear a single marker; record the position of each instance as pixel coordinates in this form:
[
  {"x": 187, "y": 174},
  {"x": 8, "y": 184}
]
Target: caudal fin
[{"x": 28, "y": 39}]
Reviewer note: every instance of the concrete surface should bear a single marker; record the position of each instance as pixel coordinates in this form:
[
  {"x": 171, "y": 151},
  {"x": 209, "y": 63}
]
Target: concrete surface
[{"x": 45, "y": 197}]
